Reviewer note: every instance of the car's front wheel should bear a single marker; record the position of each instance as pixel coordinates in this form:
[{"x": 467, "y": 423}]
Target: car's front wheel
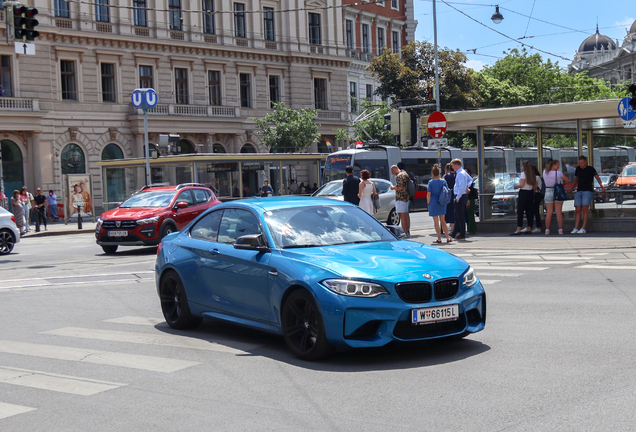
[
  {"x": 303, "y": 327},
  {"x": 7, "y": 241},
  {"x": 168, "y": 228},
  {"x": 109, "y": 249},
  {"x": 394, "y": 218},
  {"x": 174, "y": 303}
]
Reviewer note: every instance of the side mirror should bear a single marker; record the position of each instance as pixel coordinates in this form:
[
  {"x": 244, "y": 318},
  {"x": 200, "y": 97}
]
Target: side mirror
[
  {"x": 254, "y": 242},
  {"x": 397, "y": 231},
  {"x": 181, "y": 205}
]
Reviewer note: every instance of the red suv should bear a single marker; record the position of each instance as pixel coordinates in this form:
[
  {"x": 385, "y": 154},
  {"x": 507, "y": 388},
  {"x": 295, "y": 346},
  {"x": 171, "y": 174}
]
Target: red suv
[{"x": 151, "y": 213}]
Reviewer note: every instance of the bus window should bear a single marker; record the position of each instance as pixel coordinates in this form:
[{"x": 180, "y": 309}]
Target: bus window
[
  {"x": 378, "y": 168},
  {"x": 335, "y": 167}
]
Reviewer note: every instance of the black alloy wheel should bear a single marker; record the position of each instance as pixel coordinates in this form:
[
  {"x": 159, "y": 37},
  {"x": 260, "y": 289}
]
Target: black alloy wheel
[
  {"x": 166, "y": 229},
  {"x": 7, "y": 241},
  {"x": 394, "y": 218},
  {"x": 174, "y": 303},
  {"x": 303, "y": 327},
  {"x": 109, "y": 249}
]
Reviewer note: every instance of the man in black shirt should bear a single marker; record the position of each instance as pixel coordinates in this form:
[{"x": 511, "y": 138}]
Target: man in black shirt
[
  {"x": 583, "y": 177},
  {"x": 39, "y": 210},
  {"x": 351, "y": 186}
]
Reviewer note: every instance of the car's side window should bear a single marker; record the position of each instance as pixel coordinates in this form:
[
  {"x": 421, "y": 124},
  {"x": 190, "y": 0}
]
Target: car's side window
[
  {"x": 208, "y": 227},
  {"x": 185, "y": 196},
  {"x": 236, "y": 223},
  {"x": 381, "y": 187},
  {"x": 200, "y": 197}
]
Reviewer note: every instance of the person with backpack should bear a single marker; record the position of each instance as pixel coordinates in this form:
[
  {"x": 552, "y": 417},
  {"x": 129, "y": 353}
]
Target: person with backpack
[
  {"x": 402, "y": 198},
  {"x": 438, "y": 197},
  {"x": 412, "y": 186}
]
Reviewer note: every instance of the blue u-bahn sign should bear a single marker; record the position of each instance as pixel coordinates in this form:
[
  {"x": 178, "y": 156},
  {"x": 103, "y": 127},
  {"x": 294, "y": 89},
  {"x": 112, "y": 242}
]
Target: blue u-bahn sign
[{"x": 144, "y": 98}]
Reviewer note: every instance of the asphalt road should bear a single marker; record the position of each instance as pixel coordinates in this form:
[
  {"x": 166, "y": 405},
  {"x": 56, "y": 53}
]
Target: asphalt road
[{"x": 83, "y": 346}]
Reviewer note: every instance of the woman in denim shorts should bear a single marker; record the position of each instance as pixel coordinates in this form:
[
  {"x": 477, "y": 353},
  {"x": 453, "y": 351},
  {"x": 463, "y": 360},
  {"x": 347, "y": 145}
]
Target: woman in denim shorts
[
  {"x": 584, "y": 177},
  {"x": 552, "y": 176}
]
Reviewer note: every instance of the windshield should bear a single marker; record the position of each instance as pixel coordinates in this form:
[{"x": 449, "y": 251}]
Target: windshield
[
  {"x": 324, "y": 225},
  {"x": 629, "y": 171},
  {"x": 335, "y": 167},
  {"x": 149, "y": 199},
  {"x": 330, "y": 189}
]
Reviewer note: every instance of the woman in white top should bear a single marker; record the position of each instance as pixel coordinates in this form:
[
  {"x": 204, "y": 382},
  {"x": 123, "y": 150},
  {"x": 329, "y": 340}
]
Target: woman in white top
[
  {"x": 552, "y": 176},
  {"x": 366, "y": 189},
  {"x": 527, "y": 185}
]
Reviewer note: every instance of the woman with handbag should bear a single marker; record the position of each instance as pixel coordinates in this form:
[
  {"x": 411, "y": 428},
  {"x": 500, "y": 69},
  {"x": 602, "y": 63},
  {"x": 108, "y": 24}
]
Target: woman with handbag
[
  {"x": 554, "y": 194},
  {"x": 366, "y": 192},
  {"x": 527, "y": 186},
  {"x": 436, "y": 209}
]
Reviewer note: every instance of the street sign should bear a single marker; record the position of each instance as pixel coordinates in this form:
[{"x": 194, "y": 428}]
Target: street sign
[
  {"x": 144, "y": 98},
  {"x": 437, "y": 124},
  {"x": 629, "y": 124},
  {"x": 437, "y": 143},
  {"x": 24, "y": 48},
  {"x": 625, "y": 111}
]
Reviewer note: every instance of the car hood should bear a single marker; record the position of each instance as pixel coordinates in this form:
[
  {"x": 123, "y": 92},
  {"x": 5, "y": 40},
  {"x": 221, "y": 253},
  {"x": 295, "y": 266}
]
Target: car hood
[
  {"x": 131, "y": 213},
  {"x": 390, "y": 261}
]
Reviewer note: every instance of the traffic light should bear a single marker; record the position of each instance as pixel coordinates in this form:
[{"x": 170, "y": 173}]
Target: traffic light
[
  {"x": 429, "y": 93},
  {"x": 24, "y": 23},
  {"x": 387, "y": 118},
  {"x": 632, "y": 92}
]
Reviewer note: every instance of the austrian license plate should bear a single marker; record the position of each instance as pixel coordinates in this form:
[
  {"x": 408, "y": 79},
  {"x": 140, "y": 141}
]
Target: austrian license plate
[
  {"x": 117, "y": 233},
  {"x": 435, "y": 314},
  {"x": 628, "y": 196}
]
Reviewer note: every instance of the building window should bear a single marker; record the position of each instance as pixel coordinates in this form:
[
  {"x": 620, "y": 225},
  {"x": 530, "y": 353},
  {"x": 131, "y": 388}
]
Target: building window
[
  {"x": 61, "y": 9},
  {"x": 381, "y": 42},
  {"x": 69, "y": 86},
  {"x": 73, "y": 160},
  {"x": 6, "y": 88},
  {"x": 108, "y": 82},
  {"x": 140, "y": 13},
  {"x": 112, "y": 152},
  {"x": 349, "y": 34},
  {"x": 395, "y": 5},
  {"x": 274, "y": 90},
  {"x": 214, "y": 87},
  {"x": 365, "y": 38},
  {"x": 396, "y": 42},
  {"x": 145, "y": 77},
  {"x": 353, "y": 93},
  {"x": 320, "y": 93},
  {"x": 315, "y": 37},
  {"x": 239, "y": 20},
  {"x": 174, "y": 11},
  {"x": 268, "y": 23},
  {"x": 369, "y": 91},
  {"x": 181, "y": 85},
  {"x": 102, "y": 13},
  {"x": 208, "y": 16},
  {"x": 245, "y": 90}
]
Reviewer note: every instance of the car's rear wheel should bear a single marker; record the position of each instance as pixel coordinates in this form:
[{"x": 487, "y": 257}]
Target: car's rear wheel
[
  {"x": 7, "y": 241},
  {"x": 109, "y": 249},
  {"x": 174, "y": 303},
  {"x": 303, "y": 327},
  {"x": 394, "y": 218}
]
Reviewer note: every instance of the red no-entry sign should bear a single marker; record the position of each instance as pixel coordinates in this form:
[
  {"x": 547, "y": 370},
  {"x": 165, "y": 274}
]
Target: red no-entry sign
[{"x": 436, "y": 124}]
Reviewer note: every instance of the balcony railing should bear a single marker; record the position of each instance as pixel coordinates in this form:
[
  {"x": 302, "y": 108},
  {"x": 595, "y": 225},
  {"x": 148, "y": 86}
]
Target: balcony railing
[
  {"x": 192, "y": 110},
  {"x": 329, "y": 115},
  {"x": 18, "y": 104}
]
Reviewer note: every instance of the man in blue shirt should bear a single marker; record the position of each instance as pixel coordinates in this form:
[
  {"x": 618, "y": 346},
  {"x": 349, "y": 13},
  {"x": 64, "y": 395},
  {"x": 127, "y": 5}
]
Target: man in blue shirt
[
  {"x": 461, "y": 189},
  {"x": 266, "y": 189}
]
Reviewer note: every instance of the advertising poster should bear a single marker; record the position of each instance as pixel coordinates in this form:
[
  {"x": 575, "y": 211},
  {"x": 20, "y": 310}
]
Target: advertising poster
[{"x": 79, "y": 190}]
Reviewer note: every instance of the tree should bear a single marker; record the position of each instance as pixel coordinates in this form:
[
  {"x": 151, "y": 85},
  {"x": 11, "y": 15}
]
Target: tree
[
  {"x": 374, "y": 125},
  {"x": 407, "y": 79},
  {"x": 288, "y": 130}
]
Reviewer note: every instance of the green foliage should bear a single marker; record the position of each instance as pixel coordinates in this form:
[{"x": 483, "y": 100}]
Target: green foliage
[
  {"x": 407, "y": 79},
  {"x": 374, "y": 125},
  {"x": 288, "y": 130}
]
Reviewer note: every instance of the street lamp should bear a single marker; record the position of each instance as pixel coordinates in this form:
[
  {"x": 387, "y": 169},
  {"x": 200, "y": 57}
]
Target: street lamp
[{"x": 497, "y": 17}]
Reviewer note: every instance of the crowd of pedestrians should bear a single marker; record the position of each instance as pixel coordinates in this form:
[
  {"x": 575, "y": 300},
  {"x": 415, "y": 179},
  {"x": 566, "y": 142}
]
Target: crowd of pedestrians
[{"x": 28, "y": 209}]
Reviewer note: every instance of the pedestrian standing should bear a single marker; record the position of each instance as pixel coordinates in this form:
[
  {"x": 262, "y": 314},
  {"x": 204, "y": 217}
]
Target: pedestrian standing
[
  {"x": 39, "y": 210},
  {"x": 436, "y": 210},
  {"x": 17, "y": 208},
  {"x": 473, "y": 195},
  {"x": 52, "y": 202},
  {"x": 450, "y": 208},
  {"x": 537, "y": 200},
  {"x": 351, "y": 186},
  {"x": 365, "y": 192},
  {"x": 527, "y": 185},
  {"x": 26, "y": 199},
  {"x": 461, "y": 189},
  {"x": 266, "y": 189},
  {"x": 584, "y": 176},
  {"x": 553, "y": 176},
  {"x": 401, "y": 189}
]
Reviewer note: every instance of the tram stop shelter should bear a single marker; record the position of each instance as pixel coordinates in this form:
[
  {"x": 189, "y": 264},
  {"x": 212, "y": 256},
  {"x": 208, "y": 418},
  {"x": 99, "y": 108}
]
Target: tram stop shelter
[{"x": 540, "y": 133}]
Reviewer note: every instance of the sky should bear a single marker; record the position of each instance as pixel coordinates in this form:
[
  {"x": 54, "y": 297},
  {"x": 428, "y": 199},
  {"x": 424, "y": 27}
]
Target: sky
[{"x": 556, "y": 27}]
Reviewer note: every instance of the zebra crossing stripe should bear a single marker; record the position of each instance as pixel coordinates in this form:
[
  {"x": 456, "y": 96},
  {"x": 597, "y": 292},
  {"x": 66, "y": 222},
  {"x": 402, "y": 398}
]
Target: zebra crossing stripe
[
  {"x": 8, "y": 410},
  {"x": 607, "y": 267},
  {"x": 488, "y": 281},
  {"x": 54, "y": 382},
  {"x": 498, "y": 267},
  {"x": 136, "y": 320},
  {"x": 133, "y": 361}
]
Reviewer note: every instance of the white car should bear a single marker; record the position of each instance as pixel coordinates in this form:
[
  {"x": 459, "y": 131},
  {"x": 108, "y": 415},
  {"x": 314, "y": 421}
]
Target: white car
[
  {"x": 9, "y": 233},
  {"x": 386, "y": 213}
]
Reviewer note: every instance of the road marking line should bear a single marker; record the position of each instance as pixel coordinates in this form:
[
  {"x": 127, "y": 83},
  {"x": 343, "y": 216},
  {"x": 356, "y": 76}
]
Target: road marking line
[
  {"x": 607, "y": 267},
  {"x": 496, "y": 261},
  {"x": 496, "y": 267},
  {"x": 136, "y": 320},
  {"x": 161, "y": 339},
  {"x": 133, "y": 361},
  {"x": 499, "y": 274},
  {"x": 488, "y": 282},
  {"x": 8, "y": 410},
  {"x": 47, "y": 285},
  {"x": 54, "y": 382},
  {"x": 78, "y": 276}
]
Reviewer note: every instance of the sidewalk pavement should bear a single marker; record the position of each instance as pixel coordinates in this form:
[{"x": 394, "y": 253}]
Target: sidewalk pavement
[{"x": 426, "y": 235}]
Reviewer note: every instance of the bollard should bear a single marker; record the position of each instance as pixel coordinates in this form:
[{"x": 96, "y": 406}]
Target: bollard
[{"x": 79, "y": 216}]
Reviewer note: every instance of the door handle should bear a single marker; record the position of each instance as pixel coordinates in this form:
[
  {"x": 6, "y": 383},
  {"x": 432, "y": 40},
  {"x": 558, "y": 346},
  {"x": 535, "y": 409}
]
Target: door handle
[
  {"x": 273, "y": 272},
  {"x": 215, "y": 252}
]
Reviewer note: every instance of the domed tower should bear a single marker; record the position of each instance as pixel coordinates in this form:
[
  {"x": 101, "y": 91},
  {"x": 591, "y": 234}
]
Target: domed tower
[{"x": 598, "y": 41}]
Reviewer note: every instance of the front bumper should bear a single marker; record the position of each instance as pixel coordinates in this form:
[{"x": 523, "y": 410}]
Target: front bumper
[{"x": 145, "y": 235}]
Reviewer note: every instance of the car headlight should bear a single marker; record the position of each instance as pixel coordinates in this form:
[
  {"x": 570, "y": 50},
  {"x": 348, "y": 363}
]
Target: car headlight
[
  {"x": 147, "y": 220},
  {"x": 354, "y": 288},
  {"x": 99, "y": 221},
  {"x": 470, "y": 278}
]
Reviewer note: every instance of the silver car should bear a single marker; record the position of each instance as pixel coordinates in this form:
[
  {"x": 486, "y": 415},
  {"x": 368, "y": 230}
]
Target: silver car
[
  {"x": 9, "y": 233},
  {"x": 386, "y": 213}
]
